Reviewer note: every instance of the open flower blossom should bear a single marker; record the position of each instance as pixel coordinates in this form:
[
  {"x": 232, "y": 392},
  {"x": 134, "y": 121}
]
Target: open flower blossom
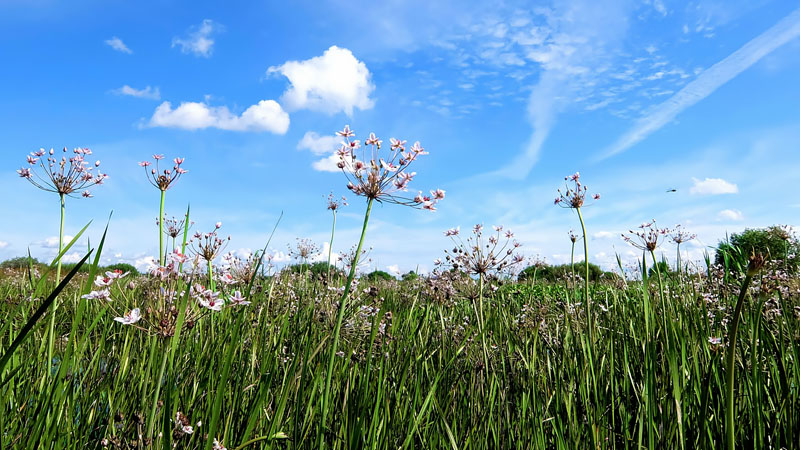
[
  {"x": 182, "y": 424},
  {"x": 383, "y": 176},
  {"x": 163, "y": 179},
  {"x": 647, "y": 237},
  {"x": 130, "y": 318},
  {"x": 70, "y": 175},
  {"x": 481, "y": 255},
  {"x": 206, "y": 297},
  {"x": 303, "y": 250},
  {"x": 574, "y": 195},
  {"x": 103, "y": 294},
  {"x": 217, "y": 445},
  {"x": 237, "y": 299}
]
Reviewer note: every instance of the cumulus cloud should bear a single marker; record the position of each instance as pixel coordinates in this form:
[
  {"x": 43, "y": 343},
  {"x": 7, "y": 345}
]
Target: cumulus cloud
[
  {"x": 394, "y": 269},
  {"x": 267, "y": 115},
  {"x": 603, "y": 235},
  {"x": 145, "y": 264},
  {"x": 318, "y": 145},
  {"x": 733, "y": 215},
  {"x": 327, "y": 164},
  {"x": 3, "y": 244},
  {"x": 117, "y": 44},
  {"x": 52, "y": 242},
  {"x": 713, "y": 186},
  {"x": 198, "y": 40},
  {"x": 333, "y": 82},
  {"x": 148, "y": 92}
]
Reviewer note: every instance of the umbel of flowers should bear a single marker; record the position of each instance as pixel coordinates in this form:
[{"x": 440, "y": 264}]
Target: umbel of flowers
[
  {"x": 163, "y": 180},
  {"x": 377, "y": 174}
]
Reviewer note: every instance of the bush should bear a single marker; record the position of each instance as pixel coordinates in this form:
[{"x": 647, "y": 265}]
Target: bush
[
  {"x": 778, "y": 243},
  {"x": 562, "y": 271},
  {"x": 318, "y": 268},
  {"x": 378, "y": 275},
  {"x": 20, "y": 262},
  {"x": 410, "y": 276},
  {"x": 124, "y": 267}
]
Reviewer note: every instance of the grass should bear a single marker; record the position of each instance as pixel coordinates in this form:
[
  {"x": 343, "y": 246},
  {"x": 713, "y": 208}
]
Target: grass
[{"x": 410, "y": 371}]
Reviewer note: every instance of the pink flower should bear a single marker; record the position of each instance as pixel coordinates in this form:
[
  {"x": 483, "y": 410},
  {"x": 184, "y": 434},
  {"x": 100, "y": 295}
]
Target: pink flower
[
  {"x": 102, "y": 281},
  {"x": 98, "y": 295},
  {"x": 452, "y": 231},
  {"x": 178, "y": 161},
  {"x": 130, "y": 317},
  {"x": 158, "y": 157},
  {"x": 24, "y": 172},
  {"x": 346, "y": 132},
  {"x": 438, "y": 194},
  {"x": 87, "y": 194},
  {"x": 238, "y": 299}
]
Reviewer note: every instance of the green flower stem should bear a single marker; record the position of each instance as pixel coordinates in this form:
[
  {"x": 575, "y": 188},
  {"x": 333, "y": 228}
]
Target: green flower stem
[
  {"x": 338, "y": 327},
  {"x": 730, "y": 353},
  {"x": 161, "y": 230},
  {"x": 330, "y": 246},
  {"x": 51, "y": 331},
  {"x": 586, "y": 278},
  {"x": 152, "y": 422}
]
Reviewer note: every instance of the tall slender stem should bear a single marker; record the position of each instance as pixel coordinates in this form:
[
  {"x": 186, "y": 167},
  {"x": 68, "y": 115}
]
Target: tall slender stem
[
  {"x": 586, "y": 279},
  {"x": 330, "y": 245},
  {"x": 51, "y": 333},
  {"x": 338, "y": 327},
  {"x": 730, "y": 358},
  {"x": 161, "y": 230}
]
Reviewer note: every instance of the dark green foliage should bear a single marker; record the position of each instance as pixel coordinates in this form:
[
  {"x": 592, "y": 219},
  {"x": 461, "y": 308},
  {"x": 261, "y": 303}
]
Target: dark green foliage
[
  {"x": 663, "y": 267},
  {"x": 378, "y": 275},
  {"x": 778, "y": 243},
  {"x": 563, "y": 271},
  {"x": 20, "y": 262},
  {"x": 124, "y": 267},
  {"x": 318, "y": 268},
  {"x": 410, "y": 276}
]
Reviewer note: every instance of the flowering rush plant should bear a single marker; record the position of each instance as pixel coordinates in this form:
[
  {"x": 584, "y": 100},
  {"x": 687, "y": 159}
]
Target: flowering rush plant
[
  {"x": 481, "y": 255},
  {"x": 68, "y": 176},
  {"x": 383, "y": 176}
]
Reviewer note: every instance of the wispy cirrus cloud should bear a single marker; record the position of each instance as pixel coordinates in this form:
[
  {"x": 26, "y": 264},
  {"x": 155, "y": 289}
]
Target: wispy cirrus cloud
[
  {"x": 198, "y": 40},
  {"x": 117, "y": 44},
  {"x": 151, "y": 93},
  {"x": 709, "y": 80}
]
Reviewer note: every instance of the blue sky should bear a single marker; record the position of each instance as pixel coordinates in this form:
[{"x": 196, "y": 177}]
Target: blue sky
[{"x": 508, "y": 98}]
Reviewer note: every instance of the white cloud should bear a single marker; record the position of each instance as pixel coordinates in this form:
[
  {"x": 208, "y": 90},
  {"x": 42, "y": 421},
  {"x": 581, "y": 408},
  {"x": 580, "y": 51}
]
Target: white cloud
[
  {"x": 319, "y": 145},
  {"x": 708, "y": 81},
  {"x": 52, "y": 242},
  {"x": 279, "y": 256},
  {"x": 117, "y": 44},
  {"x": 145, "y": 264},
  {"x": 198, "y": 40},
  {"x": 333, "y": 82},
  {"x": 71, "y": 258},
  {"x": 327, "y": 164},
  {"x": 713, "y": 186},
  {"x": 148, "y": 92},
  {"x": 3, "y": 244},
  {"x": 730, "y": 215},
  {"x": 394, "y": 269},
  {"x": 267, "y": 115},
  {"x": 604, "y": 235}
]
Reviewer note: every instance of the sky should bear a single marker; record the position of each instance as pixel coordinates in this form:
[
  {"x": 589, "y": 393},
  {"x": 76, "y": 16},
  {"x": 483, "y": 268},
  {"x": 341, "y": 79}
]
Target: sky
[{"x": 641, "y": 97}]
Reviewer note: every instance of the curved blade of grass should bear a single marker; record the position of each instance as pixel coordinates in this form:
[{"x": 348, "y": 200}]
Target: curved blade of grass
[
  {"x": 93, "y": 269},
  {"x": 38, "y": 314}
]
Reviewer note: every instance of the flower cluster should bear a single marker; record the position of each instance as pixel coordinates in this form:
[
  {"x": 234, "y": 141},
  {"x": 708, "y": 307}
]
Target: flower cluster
[
  {"x": 173, "y": 227},
  {"x": 678, "y": 235},
  {"x": 479, "y": 256},
  {"x": 209, "y": 245},
  {"x": 163, "y": 179},
  {"x": 647, "y": 237},
  {"x": 573, "y": 196},
  {"x": 383, "y": 179},
  {"x": 334, "y": 204},
  {"x": 104, "y": 283},
  {"x": 67, "y": 176}
]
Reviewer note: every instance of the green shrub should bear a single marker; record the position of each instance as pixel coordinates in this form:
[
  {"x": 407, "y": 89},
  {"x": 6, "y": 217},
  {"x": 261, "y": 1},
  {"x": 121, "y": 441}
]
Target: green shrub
[{"x": 777, "y": 242}]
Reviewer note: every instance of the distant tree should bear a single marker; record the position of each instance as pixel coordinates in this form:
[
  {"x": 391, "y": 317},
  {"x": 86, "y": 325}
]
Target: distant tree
[
  {"x": 20, "y": 262},
  {"x": 559, "y": 272},
  {"x": 124, "y": 267},
  {"x": 378, "y": 275},
  {"x": 410, "y": 276},
  {"x": 317, "y": 268},
  {"x": 777, "y": 243}
]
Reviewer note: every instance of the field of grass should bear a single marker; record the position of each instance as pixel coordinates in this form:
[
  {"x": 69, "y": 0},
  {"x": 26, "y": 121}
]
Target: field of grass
[{"x": 410, "y": 371}]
